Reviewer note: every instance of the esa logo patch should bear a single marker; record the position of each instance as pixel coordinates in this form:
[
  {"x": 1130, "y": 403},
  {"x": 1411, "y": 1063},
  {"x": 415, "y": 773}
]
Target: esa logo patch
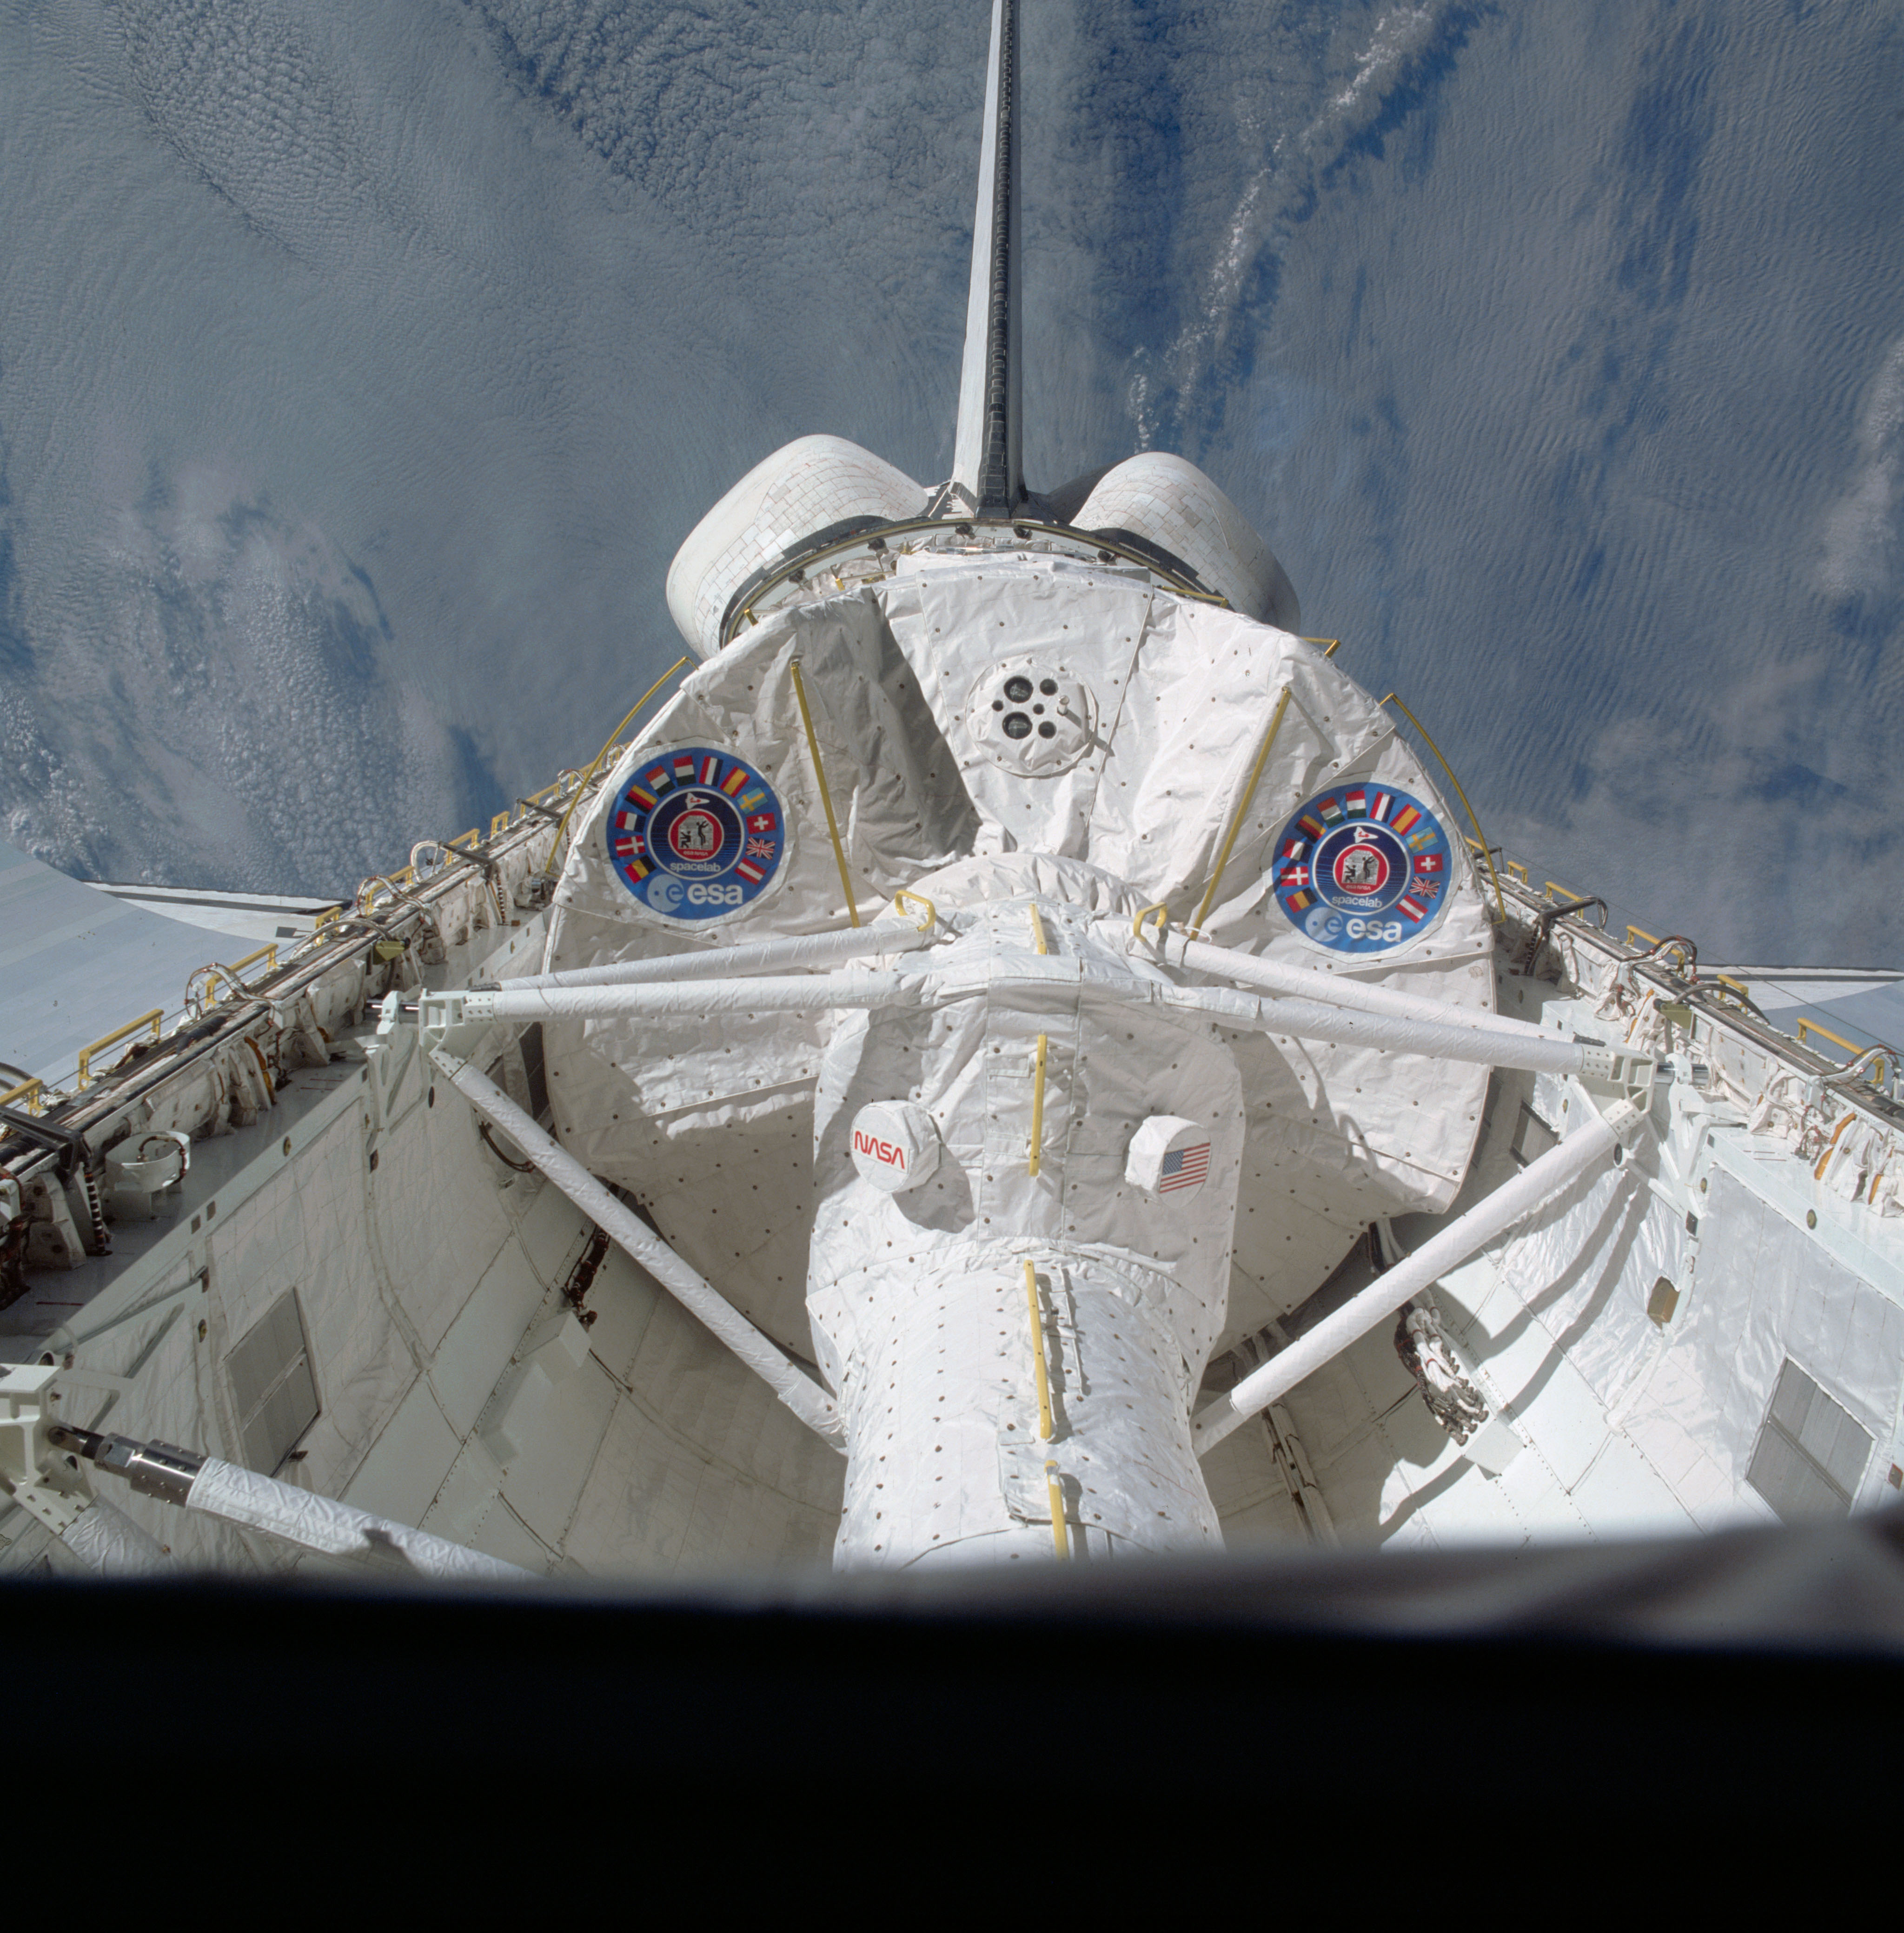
[
  {"x": 696, "y": 833},
  {"x": 1362, "y": 869}
]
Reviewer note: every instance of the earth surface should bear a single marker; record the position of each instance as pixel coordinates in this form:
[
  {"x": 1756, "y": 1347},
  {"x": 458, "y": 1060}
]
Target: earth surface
[{"x": 362, "y": 364}]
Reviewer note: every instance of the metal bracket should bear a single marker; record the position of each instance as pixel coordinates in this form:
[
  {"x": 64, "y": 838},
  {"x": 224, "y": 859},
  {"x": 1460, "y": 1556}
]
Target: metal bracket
[
  {"x": 1619, "y": 1085},
  {"x": 32, "y": 1471}
]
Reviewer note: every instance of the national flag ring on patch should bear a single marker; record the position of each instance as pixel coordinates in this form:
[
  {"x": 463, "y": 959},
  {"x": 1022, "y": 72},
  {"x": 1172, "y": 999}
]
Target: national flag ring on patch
[
  {"x": 697, "y": 835},
  {"x": 1360, "y": 870}
]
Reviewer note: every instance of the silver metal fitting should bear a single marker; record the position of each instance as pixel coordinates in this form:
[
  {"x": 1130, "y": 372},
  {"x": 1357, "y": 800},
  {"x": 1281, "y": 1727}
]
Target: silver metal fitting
[{"x": 160, "y": 1470}]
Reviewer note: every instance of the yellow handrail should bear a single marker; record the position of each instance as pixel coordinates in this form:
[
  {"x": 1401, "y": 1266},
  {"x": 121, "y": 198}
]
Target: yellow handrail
[
  {"x": 1242, "y": 809},
  {"x": 1060, "y": 1540},
  {"x": 1334, "y": 645},
  {"x": 1805, "y": 1026},
  {"x": 581, "y": 783},
  {"x": 268, "y": 952},
  {"x": 150, "y": 1020},
  {"x": 1658, "y": 948},
  {"x": 1061, "y": 1535},
  {"x": 211, "y": 996},
  {"x": 826, "y": 797},
  {"x": 1161, "y": 909},
  {"x": 1520, "y": 871},
  {"x": 904, "y": 894},
  {"x": 1500, "y": 899},
  {"x": 1851, "y": 1047},
  {"x": 31, "y": 1090},
  {"x": 499, "y": 822},
  {"x": 1037, "y": 927},
  {"x": 234, "y": 973},
  {"x": 1557, "y": 891},
  {"x": 1038, "y": 1343},
  {"x": 1037, "y": 1109}
]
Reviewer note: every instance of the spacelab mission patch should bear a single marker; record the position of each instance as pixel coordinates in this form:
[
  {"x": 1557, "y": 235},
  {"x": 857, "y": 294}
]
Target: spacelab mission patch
[
  {"x": 1362, "y": 869},
  {"x": 697, "y": 833}
]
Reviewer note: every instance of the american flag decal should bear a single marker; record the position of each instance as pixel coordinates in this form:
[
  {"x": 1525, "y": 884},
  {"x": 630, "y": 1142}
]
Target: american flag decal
[{"x": 1185, "y": 1167}]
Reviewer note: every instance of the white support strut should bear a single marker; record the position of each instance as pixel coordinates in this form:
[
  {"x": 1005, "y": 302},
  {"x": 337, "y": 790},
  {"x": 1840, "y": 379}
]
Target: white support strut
[
  {"x": 1272, "y": 976},
  {"x": 797, "y": 994},
  {"x": 758, "y": 1351},
  {"x": 312, "y": 1523},
  {"x": 105, "y": 1539},
  {"x": 1349, "y": 1027},
  {"x": 1589, "y": 1146},
  {"x": 770, "y": 956},
  {"x": 1437, "y": 1037}
]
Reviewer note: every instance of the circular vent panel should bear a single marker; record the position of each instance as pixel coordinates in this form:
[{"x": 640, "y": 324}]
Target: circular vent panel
[{"x": 1033, "y": 717}]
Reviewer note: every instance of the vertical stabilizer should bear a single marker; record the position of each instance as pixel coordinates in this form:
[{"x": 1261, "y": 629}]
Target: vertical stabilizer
[{"x": 988, "y": 476}]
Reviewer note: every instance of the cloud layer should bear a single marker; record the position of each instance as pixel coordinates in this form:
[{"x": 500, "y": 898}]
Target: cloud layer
[{"x": 361, "y": 367}]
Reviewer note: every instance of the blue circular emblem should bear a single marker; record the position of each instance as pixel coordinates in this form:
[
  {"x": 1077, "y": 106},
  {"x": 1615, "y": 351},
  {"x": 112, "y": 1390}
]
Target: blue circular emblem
[
  {"x": 696, "y": 833},
  {"x": 1362, "y": 869}
]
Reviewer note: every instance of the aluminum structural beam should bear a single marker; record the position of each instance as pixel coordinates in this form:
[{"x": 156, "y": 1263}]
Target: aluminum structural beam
[
  {"x": 798, "y": 994},
  {"x": 1590, "y": 1146},
  {"x": 1349, "y": 1027},
  {"x": 1274, "y": 976},
  {"x": 771, "y": 956},
  {"x": 693, "y": 1290},
  {"x": 1438, "y": 1037}
]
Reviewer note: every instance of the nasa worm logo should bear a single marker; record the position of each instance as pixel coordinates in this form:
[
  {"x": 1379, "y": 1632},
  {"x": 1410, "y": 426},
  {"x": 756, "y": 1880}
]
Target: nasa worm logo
[
  {"x": 696, "y": 833},
  {"x": 1362, "y": 869}
]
